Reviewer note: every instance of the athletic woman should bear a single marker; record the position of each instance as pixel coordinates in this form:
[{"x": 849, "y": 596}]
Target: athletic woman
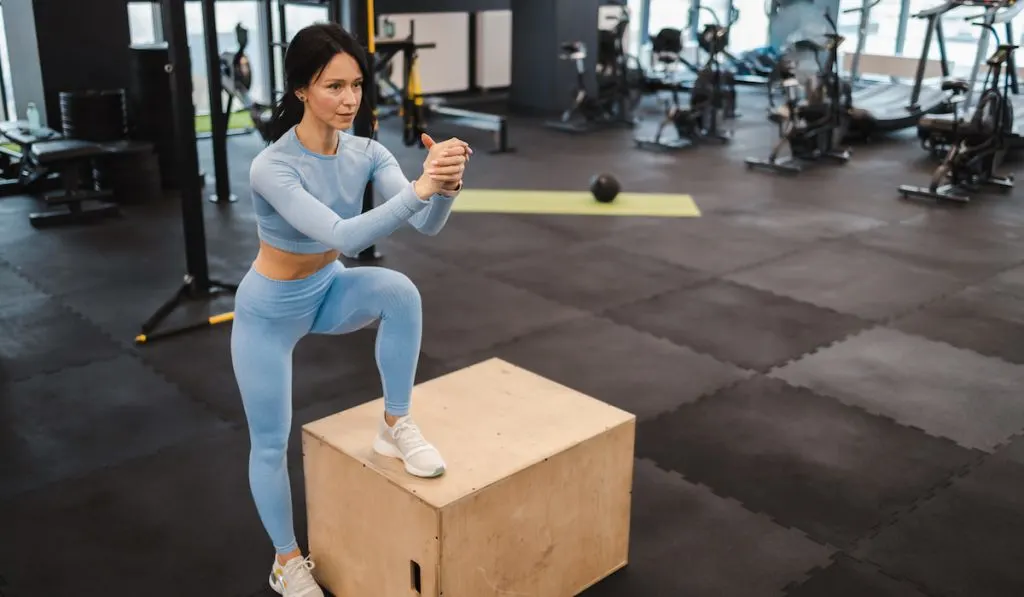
[{"x": 307, "y": 189}]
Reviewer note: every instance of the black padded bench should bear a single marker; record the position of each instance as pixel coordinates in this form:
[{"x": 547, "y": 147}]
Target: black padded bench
[{"x": 77, "y": 201}]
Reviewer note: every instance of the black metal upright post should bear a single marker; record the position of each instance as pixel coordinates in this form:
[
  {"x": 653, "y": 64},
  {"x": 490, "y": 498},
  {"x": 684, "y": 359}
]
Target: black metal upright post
[
  {"x": 197, "y": 284},
  {"x": 267, "y": 28},
  {"x": 218, "y": 115},
  {"x": 364, "y": 27}
]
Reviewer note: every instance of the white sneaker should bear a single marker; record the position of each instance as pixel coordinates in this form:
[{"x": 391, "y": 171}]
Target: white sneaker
[
  {"x": 404, "y": 441},
  {"x": 295, "y": 579}
]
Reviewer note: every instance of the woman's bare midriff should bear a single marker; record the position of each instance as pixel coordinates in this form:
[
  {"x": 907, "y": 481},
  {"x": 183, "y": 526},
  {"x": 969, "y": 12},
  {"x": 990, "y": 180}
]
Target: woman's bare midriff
[{"x": 282, "y": 265}]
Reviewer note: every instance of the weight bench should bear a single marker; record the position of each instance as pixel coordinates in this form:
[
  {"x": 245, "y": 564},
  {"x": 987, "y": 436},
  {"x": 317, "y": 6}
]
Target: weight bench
[{"x": 77, "y": 203}]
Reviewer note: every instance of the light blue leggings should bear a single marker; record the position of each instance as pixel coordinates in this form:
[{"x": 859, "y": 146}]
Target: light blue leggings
[{"x": 271, "y": 316}]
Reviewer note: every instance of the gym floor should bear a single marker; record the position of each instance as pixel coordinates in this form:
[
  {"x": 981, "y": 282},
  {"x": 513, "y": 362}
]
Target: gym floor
[{"x": 827, "y": 378}]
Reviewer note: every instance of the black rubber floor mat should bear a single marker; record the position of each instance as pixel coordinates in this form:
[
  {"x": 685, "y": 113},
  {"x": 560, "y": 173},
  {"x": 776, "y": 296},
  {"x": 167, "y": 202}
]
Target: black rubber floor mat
[
  {"x": 851, "y": 279},
  {"x": 120, "y": 309},
  {"x": 847, "y": 577},
  {"x": 809, "y": 462},
  {"x": 801, "y": 222},
  {"x": 465, "y": 313},
  {"x": 80, "y": 419},
  {"x": 616, "y": 364},
  {"x": 964, "y": 256},
  {"x": 16, "y": 289},
  {"x": 737, "y": 324},
  {"x": 594, "y": 277},
  {"x": 980, "y": 319},
  {"x": 587, "y": 228},
  {"x": 131, "y": 252},
  {"x": 966, "y": 540},
  {"x": 685, "y": 540},
  {"x": 708, "y": 244},
  {"x": 42, "y": 336},
  {"x": 472, "y": 240},
  {"x": 181, "y": 521},
  {"x": 1011, "y": 281},
  {"x": 945, "y": 391}
]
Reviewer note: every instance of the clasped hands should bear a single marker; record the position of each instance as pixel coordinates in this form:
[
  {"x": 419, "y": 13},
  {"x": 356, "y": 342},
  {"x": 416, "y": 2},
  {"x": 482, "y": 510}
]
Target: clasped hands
[{"x": 443, "y": 167}]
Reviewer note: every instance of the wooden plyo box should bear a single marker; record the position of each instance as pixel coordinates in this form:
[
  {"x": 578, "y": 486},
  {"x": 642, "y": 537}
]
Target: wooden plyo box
[{"x": 536, "y": 499}]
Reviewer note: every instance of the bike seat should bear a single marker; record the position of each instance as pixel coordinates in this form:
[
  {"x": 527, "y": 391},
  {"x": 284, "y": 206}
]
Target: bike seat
[{"x": 955, "y": 85}]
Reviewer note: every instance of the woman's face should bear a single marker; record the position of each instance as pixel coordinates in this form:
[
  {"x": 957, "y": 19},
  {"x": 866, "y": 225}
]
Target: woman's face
[{"x": 334, "y": 96}]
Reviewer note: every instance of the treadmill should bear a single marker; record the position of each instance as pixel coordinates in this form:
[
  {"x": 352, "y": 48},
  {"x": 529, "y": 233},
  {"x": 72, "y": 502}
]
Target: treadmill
[
  {"x": 892, "y": 106},
  {"x": 936, "y": 130}
]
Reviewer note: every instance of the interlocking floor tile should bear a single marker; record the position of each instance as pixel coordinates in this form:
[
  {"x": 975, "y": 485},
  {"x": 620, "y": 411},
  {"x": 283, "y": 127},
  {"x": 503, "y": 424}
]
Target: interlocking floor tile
[
  {"x": 685, "y": 540},
  {"x": 41, "y": 335},
  {"x": 617, "y": 364},
  {"x": 945, "y": 391},
  {"x": 850, "y": 279},
  {"x": 810, "y": 462},
  {"x": 738, "y": 324},
  {"x": 979, "y": 319},
  {"x": 966, "y": 540},
  {"x": 709, "y": 244},
  {"x": 177, "y": 522},
  {"x": 847, "y": 577},
  {"x": 594, "y": 276},
  {"x": 465, "y": 313}
]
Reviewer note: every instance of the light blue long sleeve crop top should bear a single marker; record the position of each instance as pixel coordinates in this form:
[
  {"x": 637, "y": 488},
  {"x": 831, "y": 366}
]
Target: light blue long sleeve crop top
[{"x": 307, "y": 202}]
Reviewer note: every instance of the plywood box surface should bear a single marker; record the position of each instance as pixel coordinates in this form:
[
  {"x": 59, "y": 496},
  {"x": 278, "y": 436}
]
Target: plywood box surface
[{"x": 535, "y": 501}]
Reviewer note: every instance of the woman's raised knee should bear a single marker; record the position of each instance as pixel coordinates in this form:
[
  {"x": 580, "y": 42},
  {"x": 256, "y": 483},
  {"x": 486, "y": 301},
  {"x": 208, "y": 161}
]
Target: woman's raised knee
[{"x": 398, "y": 290}]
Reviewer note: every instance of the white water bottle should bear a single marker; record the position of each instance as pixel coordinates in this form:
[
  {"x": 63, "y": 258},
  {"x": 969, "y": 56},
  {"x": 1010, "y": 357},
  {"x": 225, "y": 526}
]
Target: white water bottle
[{"x": 33, "y": 116}]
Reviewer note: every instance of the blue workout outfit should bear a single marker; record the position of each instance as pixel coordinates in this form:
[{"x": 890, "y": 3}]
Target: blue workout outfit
[{"x": 307, "y": 202}]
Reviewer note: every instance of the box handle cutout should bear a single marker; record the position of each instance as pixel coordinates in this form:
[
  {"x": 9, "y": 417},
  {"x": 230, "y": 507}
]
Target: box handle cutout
[{"x": 414, "y": 570}]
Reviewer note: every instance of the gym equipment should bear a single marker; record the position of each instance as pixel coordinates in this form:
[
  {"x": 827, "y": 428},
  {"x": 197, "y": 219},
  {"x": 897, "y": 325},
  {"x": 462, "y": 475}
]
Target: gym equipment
[
  {"x": 814, "y": 117},
  {"x": 979, "y": 144},
  {"x": 236, "y": 80},
  {"x": 619, "y": 83},
  {"x": 76, "y": 172},
  {"x": 604, "y": 187},
  {"x": 94, "y": 115},
  {"x": 77, "y": 202},
  {"x": 197, "y": 285},
  {"x": 416, "y": 111},
  {"x": 712, "y": 97},
  {"x": 753, "y": 67},
  {"x": 892, "y": 106},
  {"x": 936, "y": 131},
  {"x": 665, "y": 72},
  {"x": 547, "y": 468}
]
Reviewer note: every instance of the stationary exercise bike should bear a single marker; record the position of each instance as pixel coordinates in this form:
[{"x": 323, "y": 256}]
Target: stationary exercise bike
[
  {"x": 236, "y": 80},
  {"x": 979, "y": 144},
  {"x": 712, "y": 97},
  {"x": 619, "y": 82},
  {"x": 814, "y": 118}
]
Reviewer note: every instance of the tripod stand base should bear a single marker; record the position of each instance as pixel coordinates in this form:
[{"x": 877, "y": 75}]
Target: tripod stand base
[
  {"x": 189, "y": 291},
  {"x": 950, "y": 192},
  {"x": 654, "y": 144},
  {"x": 792, "y": 166},
  {"x": 787, "y": 166},
  {"x": 946, "y": 192}
]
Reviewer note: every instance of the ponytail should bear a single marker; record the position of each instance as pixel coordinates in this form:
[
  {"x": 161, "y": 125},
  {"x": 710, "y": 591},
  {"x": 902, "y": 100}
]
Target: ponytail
[{"x": 287, "y": 113}]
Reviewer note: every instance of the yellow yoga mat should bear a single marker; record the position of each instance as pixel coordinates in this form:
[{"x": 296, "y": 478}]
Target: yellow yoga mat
[{"x": 579, "y": 203}]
